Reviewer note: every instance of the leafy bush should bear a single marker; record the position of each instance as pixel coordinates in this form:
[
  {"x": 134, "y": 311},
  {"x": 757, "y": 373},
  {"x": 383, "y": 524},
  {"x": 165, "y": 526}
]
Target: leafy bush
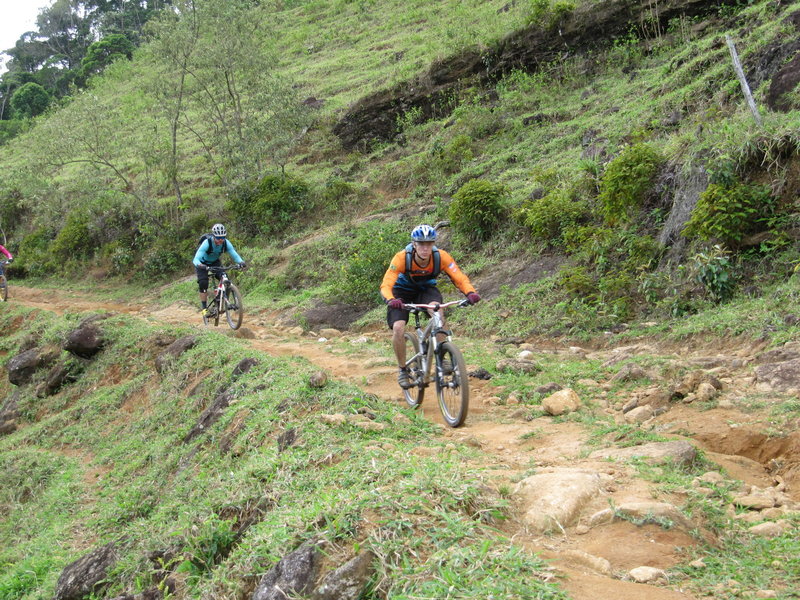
[
  {"x": 335, "y": 192},
  {"x": 627, "y": 180},
  {"x": 713, "y": 270},
  {"x": 270, "y": 205},
  {"x": 372, "y": 247},
  {"x": 548, "y": 17},
  {"x": 77, "y": 239},
  {"x": 450, "y": 157},
  {"x": 477, "y": 209},
  {"x": 550, "y": 217},
  {"x": 729, "y": 213},
  {"x": 33, "y": 257}
]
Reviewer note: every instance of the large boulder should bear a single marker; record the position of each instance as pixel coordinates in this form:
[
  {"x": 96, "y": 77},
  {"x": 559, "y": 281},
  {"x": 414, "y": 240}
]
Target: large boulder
[
  {"x": 22, "y": 367},
  {"x": 554, "y": 500},
  {"x": 779, "y": 376},
  {"x": 85, "y": 341}
]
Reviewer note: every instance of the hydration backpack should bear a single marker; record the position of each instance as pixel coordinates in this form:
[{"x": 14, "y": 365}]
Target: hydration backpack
[
  {"x": 208, "y": 237},
  {"x": 437, "y": 262}
]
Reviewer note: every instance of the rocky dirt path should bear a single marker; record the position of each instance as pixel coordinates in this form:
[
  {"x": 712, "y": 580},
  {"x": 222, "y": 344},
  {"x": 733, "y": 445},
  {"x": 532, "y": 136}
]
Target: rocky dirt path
[{"x": 562, "y": 511}]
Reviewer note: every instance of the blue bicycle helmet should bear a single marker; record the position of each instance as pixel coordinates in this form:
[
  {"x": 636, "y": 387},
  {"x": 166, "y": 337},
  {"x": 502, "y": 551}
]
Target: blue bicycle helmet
[{"x": 423, "y": 233}]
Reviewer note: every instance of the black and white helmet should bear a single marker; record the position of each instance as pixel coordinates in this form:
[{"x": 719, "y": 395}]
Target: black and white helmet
[{"x": 218, "y": 230}]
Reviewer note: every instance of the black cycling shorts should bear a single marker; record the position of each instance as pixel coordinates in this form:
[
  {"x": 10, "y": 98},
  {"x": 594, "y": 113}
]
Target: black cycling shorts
[
  {"x": 202, "y": 276},
  {"x": 425, "y": 296}
]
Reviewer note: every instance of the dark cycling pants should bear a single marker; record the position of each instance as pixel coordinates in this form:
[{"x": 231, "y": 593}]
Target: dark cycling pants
[
  {"x": 202, "y": 276},
  {"x": 423, "y": 296}
]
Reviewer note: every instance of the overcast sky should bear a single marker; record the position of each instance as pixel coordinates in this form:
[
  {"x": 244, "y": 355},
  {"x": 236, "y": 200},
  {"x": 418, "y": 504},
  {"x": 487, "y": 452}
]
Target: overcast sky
[{"x": 17, "y": 17}]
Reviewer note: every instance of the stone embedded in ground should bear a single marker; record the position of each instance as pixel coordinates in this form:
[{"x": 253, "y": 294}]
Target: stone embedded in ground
[
  {"x": 85, "y": 341},
  {"x": 640, "y": 414},
  {"x": 595, "y": 563},
  {"x": 173, "y": 351},
  {"x": 780, "y": 376},
  {"x": 706, "y": 392},
  {"x": 293, "y": 575},
  {"x": 629, "y": 372},
  {"x": 561, "y": 402},
  {"x": 87, "y": 575},
  {"x": 554, "y": 500},
  {"x": 349, "y": 581},
  {"x": 647, "y": 574},
  {"x": 318, "y": 379},
  {"x": 771, "y": 529},
  {"x": 518, "y": 365},
  {"x": 679, "y": 451}
]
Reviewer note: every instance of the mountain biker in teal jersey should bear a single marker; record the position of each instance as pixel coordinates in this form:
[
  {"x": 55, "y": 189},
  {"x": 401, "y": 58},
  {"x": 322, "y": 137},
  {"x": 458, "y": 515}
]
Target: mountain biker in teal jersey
[{"x": 208, "y": 255}]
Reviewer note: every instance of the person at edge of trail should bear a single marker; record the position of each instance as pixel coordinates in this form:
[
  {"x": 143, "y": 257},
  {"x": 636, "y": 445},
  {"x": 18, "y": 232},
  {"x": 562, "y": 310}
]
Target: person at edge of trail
[
  {"x": 411, "y": 278},
  {"x": 208, "y": 256},
  {"x": 7, "y": 254}
]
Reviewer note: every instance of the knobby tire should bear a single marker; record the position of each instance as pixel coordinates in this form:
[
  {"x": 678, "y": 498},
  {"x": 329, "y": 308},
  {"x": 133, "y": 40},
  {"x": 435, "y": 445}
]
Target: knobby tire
[
  {"x": 234, "y": 311},
  {"x": 452, "y": 389},
  {"x": 416, "y": 393},
  {"x": 3, "y": 287}
]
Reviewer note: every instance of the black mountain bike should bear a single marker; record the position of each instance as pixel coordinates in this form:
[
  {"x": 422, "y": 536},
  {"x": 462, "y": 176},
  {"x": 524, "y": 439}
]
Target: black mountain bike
[
  {"x": 423, "y": 351},
  {"x": 227, "y": 299}
]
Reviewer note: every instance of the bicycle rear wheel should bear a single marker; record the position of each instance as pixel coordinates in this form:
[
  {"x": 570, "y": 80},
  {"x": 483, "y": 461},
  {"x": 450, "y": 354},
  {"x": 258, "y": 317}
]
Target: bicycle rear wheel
[
  {"x": 232, "y": 305},
  {"x": 3, "y": 288},
  {"x": 452, "y": 388},
  {"x": 416, "y": 392}
]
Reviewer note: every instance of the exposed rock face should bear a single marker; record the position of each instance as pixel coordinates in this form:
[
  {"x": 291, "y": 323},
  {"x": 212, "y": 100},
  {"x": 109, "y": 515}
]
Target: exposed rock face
[
  {"x": 375, "y": 117},
  {"x": 82, "y": 577},
  {"x": 348, "y": 581},
  {"x": 780, "y": 376},
  {"x": 294, "y": 575},
  {"x": 173, "y": 351},
  {"x": 22, "y": 367},
  {"x": 86, "y": 341},
  {"x": 787, "y": 77},
  {"x": 9, "y": 414},
  {"x": 210, "y": 415}
]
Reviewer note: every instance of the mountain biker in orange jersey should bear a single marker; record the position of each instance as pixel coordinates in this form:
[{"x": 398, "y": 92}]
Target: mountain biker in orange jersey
[
  {"x": 411, "y": 278},
  {"x": 208, "y": 255}
]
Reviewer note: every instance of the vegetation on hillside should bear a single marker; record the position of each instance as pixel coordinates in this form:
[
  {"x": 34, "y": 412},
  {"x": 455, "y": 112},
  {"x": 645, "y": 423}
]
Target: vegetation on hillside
[{"x": 225, "y": 113}]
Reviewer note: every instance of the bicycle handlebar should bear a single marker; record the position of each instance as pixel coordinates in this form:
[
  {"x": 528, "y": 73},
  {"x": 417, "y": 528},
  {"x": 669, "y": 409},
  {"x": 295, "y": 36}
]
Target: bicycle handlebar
[
  {"x": 435, "y": 305},
  {"x": 224, "y": 269}
]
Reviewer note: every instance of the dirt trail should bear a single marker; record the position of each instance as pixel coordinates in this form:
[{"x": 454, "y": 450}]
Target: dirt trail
[{"x": 511, "y": 447}]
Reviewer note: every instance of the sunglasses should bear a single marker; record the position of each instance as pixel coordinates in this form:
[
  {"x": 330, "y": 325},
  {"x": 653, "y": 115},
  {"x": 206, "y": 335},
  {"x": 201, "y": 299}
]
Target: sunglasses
[{"x": 219, "y": 237}]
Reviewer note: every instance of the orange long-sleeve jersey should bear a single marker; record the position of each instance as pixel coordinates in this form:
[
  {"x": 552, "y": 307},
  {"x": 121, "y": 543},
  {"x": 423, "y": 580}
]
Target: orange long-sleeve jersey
[{"x": 421, "y": 277}]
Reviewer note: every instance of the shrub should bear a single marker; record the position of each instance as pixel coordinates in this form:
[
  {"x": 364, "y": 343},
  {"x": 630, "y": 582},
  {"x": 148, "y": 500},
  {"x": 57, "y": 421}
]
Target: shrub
[
  {"x": 270, "y": 205},
  {"x": 450, "y": 157},
  {"x": 77, "y": 239},
  {"x": 713, "y": 270},
  {"x": 477, "y": 209},
  {"x": 550, "y": 217},
  {"x": 372, "y": 248},
  {"x": 627, "y": 180},
  {"x": 729, "y": 213},
  {"x": 335, "y": 192}
]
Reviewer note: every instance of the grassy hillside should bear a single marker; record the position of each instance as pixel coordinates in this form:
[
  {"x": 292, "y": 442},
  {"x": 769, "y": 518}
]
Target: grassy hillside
[{"x": 593, "y": 159}]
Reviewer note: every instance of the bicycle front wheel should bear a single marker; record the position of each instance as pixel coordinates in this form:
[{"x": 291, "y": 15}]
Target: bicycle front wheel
[
  {"x": 452, "y": 387},
  {"x": 3, "y": 288},
  {"x": 416, "y": 392},
  {"x": 232, "y": 305}
]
